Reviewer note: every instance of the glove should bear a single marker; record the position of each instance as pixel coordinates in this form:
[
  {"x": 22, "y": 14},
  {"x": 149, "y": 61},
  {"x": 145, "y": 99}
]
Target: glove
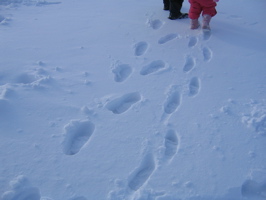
[{"x": 216, "y": 1}]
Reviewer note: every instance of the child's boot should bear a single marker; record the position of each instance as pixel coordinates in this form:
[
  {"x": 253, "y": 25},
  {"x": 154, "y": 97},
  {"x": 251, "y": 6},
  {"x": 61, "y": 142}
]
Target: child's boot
[
  {"x": 194, "y": 24},
  {"x": 206, "y": 22}
]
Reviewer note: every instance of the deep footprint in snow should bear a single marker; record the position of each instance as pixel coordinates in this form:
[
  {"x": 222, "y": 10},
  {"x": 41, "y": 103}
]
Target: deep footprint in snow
[
  {"x": 21, "y": 189},
  {"x": 171, "y": 143},
  {"x": 206, "y": 35},
  {"x": 77, "y": 134},
  {"x": 167, "y": 38},
  {"x": 141, "y": 175},
  {"x": 122, "y": 72},
  {"x": 207, "y": 54},
  {"x": 153, "y": 67},
  {"x": 194, "y": 86},
  {"x": 192, "y": 41},
  {"x": 123, "y": 103},
  {"x": 189, "y": 64},
  {"x": 155, "y": 24},
  {"x": 173, "y": 101},
  {"x": 141, "y": 48}
]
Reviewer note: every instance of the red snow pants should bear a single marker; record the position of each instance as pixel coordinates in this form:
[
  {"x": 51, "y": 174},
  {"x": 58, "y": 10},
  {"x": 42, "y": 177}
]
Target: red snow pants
[{"x": 206, "y": 7}]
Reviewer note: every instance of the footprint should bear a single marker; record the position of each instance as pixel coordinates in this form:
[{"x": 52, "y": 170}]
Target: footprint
[
  {"x": 21, "y": 189},
  {"x": 207, "y": 54},
  {"x": 141, "y": 175},
  {"x": 155, "y": 24},
  {"x": 173, "y": 101},
  {"x": 206, "y": 35},
  {"x": 192, "y": 41},
  {"x": 123, "y": 103},
  {"x": 77, "y": 133},
  {"x": 189, "y": 65},
  {"x": 167, "y": 38},
  {"x": 141, "y": 48},
  {"x": 194, "y": 86},
  {"x": 122, "y": 72},
  {"x": 171, "y": 144},
  {"x": 152, "y": 67}
]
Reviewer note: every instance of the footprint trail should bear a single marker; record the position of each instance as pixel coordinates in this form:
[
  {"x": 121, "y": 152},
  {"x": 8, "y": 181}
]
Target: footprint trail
[
  {"x": 194, "y": 86},
  {"x": 141, "y": 175},
  {"x": 77, "y": 133},
  {"x": 189, "y": 64},
  {"x": 153, "y": 67},
  {"x": 207, "y": 54},
  {"x": 141, "y": 48},
  {"x": 192, "y": 41},
  {"x": 122, "y": 72},
  {"x": 123, "y": 103},
  {"x": 173, "y": 101},
  {"x": 167, "y": 38},
  {"x": 171, "y": 143}
]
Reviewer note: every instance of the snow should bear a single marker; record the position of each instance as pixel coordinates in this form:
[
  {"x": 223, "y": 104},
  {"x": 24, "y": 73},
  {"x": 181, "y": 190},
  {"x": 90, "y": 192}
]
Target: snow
[{"x": 110, "y": 100}]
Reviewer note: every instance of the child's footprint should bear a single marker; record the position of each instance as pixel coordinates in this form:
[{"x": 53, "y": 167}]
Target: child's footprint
[
  {"x": 141, "y": 48},
  {"x": 171, "y": 143},
  {"x": 142, "y": 173},
  {"x": 206, "y": 34},
  {"x": 192, "y": 41},
  {"x": 194, "y": 86},
  {"x": 152, "y": 67},
  {"x": 122, "y": 72},
  {"x": 189, "y": 64},
  {"x": 173, "y": 101},
  {"x": 167, "y": 38},
  {"x": 77, "y": 133},
  {"x": 123, "y": 103},
  {"x": 207, "y": 54}
]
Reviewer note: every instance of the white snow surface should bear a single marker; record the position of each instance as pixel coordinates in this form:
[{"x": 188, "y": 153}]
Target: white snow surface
[{"x": 111, "y": 100}]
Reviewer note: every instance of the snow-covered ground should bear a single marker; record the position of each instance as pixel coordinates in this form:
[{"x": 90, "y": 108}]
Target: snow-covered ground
[{"x": 110, "y": 100}]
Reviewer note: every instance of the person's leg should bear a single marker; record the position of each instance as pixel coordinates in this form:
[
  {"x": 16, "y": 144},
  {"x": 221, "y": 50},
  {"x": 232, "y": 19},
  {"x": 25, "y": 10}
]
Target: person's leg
[
  {"x": 166, "y": 4},
  {"x": 208, "y": 7},
  {"x": 175, "y": 10},
  {"x": 194, "y": 13},
  {"x": 208, "y": 12}
]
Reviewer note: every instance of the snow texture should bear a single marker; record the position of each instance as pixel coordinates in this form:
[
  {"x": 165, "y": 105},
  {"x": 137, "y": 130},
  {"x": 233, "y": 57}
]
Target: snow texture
[{"x": 111, "y": 100}]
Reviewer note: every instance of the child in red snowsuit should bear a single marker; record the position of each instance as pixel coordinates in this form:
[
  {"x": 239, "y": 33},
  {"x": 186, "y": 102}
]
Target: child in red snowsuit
[{"x": 206, "y": 7}]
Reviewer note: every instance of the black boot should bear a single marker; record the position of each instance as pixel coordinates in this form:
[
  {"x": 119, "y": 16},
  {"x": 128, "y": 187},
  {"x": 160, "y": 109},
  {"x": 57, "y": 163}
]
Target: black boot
[
  {"x": 179, "y": 16},
  {"x": 175, "y": 10}
]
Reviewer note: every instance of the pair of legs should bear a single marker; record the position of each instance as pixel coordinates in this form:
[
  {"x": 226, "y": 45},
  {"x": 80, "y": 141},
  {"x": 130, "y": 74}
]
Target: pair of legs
[
  {"x": 174, "y": 6},
  {"x": 206, "y": 7}
]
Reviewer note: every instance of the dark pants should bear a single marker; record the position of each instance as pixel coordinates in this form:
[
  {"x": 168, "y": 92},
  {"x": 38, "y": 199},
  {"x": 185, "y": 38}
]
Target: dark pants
[{"x": 174, "y": 6}]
